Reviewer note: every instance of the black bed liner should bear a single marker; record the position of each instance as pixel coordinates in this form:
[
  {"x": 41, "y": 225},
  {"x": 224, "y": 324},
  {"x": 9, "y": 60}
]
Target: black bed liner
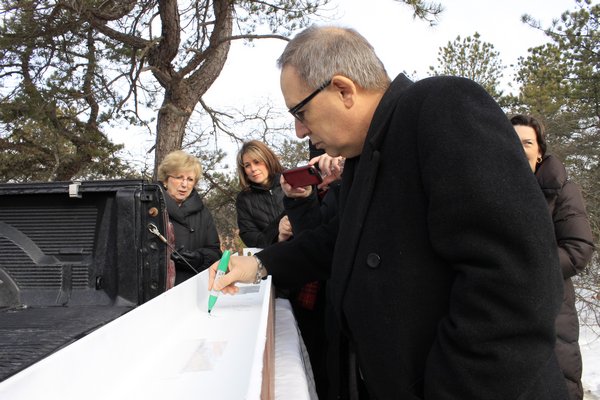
[
  {"x": 30, "y": 334},
  {"x": 73, "y": 257}
]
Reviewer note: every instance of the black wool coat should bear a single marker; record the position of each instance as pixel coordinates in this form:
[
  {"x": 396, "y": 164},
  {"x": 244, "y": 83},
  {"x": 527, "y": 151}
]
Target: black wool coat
[
  {"x": 195, "y": 230},
  {"x": 259, "y": 210},
  {"x": 442, "y": 264},
  {"x": 575, "y": 249}
]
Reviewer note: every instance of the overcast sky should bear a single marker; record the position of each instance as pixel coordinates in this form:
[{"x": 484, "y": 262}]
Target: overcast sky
[{"x": 404, "y": 44}]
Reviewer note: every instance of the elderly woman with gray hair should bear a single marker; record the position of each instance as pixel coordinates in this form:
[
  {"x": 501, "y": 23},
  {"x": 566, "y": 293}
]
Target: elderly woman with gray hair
[{"x": 196, "y": 236}]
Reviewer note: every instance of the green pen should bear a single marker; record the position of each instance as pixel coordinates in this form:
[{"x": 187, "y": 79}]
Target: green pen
[{"x": 221, "y": 270}]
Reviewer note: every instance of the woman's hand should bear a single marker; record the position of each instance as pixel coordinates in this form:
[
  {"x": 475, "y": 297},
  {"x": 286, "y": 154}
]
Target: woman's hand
[
  {"x": 285, "y": 229},
  {"x": 331, "y": 168}
]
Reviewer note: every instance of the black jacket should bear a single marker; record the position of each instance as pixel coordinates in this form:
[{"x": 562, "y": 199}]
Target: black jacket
[
  {"x": 258, "y": 213},
  {"x": 575, "y": 249},
  {"x": 444, "y": 269},
  {"x": 308, "y": 213},
  {"x": 195, "y": 235},
  {"x": 318, "y": 326}
]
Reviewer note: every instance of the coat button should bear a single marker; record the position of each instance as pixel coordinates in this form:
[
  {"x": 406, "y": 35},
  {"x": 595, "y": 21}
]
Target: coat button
[{"x": 373, "y": 260}]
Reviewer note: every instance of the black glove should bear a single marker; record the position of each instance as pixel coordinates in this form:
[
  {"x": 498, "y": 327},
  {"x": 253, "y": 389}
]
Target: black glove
[
  {"x": 194, "y": 257},
  {"x": 175, "y": 255}
]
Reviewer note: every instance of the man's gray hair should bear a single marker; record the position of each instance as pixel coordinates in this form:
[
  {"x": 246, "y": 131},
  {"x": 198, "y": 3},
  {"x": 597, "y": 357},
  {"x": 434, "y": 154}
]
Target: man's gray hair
[{"x": 320, "y": 52}]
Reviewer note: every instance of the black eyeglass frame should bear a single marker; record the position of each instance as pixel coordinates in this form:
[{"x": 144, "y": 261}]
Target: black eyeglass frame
[{"x": 294, "y": 110}]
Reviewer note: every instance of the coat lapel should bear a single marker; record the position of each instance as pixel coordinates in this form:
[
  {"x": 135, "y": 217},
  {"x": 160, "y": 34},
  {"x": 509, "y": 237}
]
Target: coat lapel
[
  {"x": 359, "y": 179},
  {"x": 357, "y": 189}
]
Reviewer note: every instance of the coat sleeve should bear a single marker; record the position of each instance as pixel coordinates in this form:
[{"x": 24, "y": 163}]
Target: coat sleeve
[
  {"x": 250, "y": 233},
  {"x": 211, "y": 248},
  {"x": 304, "y": 213},
  {"x": 309, "y": 256},
  {"x": 489, "y": 222},
  {"x": 305, "y": 259},
  {"x": 308, "y": 213},
  {"x": 573, "y": 231}
]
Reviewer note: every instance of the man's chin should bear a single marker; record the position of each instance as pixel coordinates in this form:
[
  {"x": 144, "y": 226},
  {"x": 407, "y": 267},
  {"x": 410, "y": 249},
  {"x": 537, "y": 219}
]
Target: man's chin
[{"x": 333, "y": 152}]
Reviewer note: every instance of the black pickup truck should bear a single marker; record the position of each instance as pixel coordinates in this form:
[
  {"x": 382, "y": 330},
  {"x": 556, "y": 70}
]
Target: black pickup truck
[{"x": 73, "y": 257}]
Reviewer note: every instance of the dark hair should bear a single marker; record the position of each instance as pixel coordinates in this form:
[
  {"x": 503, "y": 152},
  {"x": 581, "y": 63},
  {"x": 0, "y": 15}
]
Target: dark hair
[
  {"x": 259, "y": 151},
  {"x": 526, "y": 120}
]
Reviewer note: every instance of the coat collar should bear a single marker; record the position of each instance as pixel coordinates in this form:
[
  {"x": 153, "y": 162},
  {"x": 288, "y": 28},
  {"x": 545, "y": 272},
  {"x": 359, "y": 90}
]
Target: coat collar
[
  {"x": 260, "y": 188},
  {"x": 551, "y": 174},
  {"x": 193, "y": 204},
  {"x": 381, "y": 120},
  {"x": 377, "y": 131}
]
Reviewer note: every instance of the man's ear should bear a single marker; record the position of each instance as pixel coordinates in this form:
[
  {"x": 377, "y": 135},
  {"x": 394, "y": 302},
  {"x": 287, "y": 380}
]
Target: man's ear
[{"x": 346, "y": 89}]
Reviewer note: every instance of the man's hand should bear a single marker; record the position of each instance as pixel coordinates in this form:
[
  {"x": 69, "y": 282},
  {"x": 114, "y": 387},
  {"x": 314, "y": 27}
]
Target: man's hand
[{"x": 241, "y": 269}]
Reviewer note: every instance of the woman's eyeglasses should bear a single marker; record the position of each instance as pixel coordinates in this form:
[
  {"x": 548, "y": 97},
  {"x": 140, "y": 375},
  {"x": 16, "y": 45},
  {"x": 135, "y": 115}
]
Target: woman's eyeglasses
[{"x": 179, "y": 179}]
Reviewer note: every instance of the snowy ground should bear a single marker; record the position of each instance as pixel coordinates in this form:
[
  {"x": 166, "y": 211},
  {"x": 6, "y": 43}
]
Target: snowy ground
[{"x": 589, "y": 341}]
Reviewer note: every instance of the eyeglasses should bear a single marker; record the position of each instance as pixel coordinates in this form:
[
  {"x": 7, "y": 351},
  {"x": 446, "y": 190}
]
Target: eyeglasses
[
  {"x": 179, "y": 179},
  {"x": 295, "y": 111}
]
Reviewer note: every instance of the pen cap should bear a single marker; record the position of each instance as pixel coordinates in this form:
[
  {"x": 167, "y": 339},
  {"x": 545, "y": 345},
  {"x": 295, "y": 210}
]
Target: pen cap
[{"x": 224, "y": 263}]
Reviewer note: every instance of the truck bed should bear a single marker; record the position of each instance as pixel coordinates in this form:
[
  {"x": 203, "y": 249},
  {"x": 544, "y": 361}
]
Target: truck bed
[
  {"x": 73, "y": 257},
  {"x": 29, "y": 334}
]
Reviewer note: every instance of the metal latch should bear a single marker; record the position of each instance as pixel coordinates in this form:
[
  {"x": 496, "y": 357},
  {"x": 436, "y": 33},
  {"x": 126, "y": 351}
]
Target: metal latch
[
  {"x": 74, "y": 189},
  {"x": 154, "y": 230}
]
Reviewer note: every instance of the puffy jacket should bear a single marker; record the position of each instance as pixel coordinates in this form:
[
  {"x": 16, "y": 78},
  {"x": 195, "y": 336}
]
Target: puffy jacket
[
  {"x": 259, "y": 210},
  {"x": 196, "y": 236},
  {"x": 575, "y": 248}
]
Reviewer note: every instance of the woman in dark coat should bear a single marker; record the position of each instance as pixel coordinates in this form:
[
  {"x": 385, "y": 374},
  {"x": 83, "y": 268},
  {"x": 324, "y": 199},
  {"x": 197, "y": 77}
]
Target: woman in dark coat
[
  {"x": 259, "y": 205},
  {"x": 196, "y": 237},
  {"x": 573, "y": 236}
]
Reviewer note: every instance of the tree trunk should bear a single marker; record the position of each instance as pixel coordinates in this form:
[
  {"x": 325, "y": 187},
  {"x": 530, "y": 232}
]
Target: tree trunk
[
  {"x": 182, "y": 93},
  {"x": 171, "y": 122}
]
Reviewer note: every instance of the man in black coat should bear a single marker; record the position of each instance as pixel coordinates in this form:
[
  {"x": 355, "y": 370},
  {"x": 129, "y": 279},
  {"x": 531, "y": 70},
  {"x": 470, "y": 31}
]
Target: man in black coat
[{"x": 438, "y": 261}]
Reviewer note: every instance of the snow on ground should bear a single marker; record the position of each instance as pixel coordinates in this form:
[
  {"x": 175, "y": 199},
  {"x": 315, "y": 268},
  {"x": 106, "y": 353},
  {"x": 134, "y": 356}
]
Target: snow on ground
[{"x": 589, "y": 341}]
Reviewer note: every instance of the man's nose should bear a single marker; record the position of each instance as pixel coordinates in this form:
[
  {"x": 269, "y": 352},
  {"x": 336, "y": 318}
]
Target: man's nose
[{"x": 301, "y": 130}]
